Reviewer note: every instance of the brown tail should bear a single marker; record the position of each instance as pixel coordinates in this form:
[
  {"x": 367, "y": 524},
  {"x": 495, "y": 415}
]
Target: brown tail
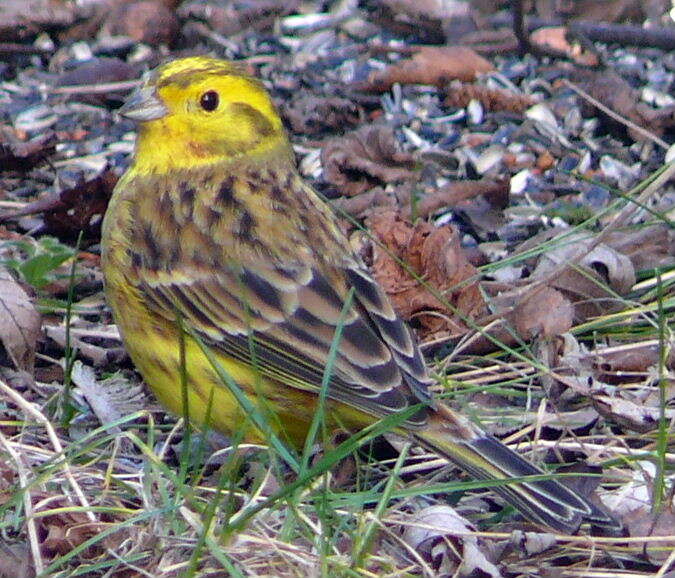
[{"x": 546, "y": 502}]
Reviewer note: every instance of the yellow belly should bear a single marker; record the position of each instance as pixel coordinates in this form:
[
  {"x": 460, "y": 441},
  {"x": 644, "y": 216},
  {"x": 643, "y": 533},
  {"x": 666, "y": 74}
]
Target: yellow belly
[{"x": 154, "y": 346}]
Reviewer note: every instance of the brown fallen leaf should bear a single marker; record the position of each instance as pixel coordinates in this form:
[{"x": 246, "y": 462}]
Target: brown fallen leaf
[
  {"x": 20, "y": 19},
  {"x": 636, "y": 357},
  {"x": 373, "y": 201},
  {"x": 68, "y": 212},
  {"x": 530, "y": 313},
  {"x": 534, "y": 543},
  {"x": 310, "y": 114},
  {"x": 422, "y": 18},
  {"x": 631, "y": 503},
  {"x": 425, "y": 9},
  {"x": 542, "y": 312},
  {"x": 442, "y": 537},
  {"x": 460, "y": 95},
  {"x": 631, "y": 415},
  {"x": 230, "y": 18},
  {"x": 598, "y": 275},
  {"x": 62, "y": 531},
  {"x": 20, "y": 322},
  {"x": 111, "y": 398},
  {"x": 149, "y": 21},
  {"x": 646, "y": 247},
  {"x": 364, "y": 158},
  {"x": 98, "y": 71},
  {"x": 16, "y": 561},
  {"x": 555, "y": 37},
  {"x": 646, "y": 523},
  {"x": 434, "y": 65},
  {"x": 617, "y": 94},
  {"x": 436, "y": 256},
  {"x": 457, "y": 193},
  {"x": 17, "y": 155}
]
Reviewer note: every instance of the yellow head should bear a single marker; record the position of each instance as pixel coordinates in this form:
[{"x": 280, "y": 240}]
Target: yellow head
[{"x": 200, "y": 110}]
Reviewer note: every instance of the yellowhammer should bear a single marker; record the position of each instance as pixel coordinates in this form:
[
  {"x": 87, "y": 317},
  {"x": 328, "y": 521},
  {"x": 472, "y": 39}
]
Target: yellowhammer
[{"x": 213, "y": 230}]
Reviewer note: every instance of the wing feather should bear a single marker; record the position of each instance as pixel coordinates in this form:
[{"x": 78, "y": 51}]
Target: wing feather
[{"x": 291, "y": 314}]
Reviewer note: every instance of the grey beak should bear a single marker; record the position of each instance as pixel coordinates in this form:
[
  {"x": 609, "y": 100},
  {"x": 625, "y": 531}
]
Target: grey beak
[{"x": 144, "y": 104}]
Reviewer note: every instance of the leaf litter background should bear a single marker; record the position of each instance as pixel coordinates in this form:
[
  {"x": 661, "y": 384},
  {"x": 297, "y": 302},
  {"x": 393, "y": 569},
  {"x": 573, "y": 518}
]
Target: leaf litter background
[{"x": 494, "y": 173}]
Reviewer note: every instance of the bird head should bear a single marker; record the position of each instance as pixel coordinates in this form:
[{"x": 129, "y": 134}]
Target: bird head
[{"x": 199, "y": 110}]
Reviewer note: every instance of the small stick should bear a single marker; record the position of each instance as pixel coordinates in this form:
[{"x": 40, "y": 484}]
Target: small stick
[{"x": 101, "y": 88}]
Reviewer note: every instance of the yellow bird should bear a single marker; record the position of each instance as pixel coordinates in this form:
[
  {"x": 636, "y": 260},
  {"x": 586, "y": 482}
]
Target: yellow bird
[{"x": 212, "y": 229}]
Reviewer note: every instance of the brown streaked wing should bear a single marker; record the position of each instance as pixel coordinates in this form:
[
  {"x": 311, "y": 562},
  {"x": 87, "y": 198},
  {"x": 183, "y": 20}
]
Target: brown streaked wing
[
  {"x": 291, "y": 315},
  {"x": 393, "y": 331}
]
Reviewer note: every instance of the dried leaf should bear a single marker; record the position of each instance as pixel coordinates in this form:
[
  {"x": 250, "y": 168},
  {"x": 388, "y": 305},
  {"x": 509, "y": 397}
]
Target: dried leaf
[
  {"x": 646, "y": 247},
  {"x": 20, "y": 19},
  {"x": 235, "y": 17},
  {"x": 423, "y": 18},
  {"x": 435, "y": 65},
  {"x": 537, "y": 542},
  {"x": 16, "y": 155},
  {"x": 600, "y": 273},
  {"x": 493, "y": 99},
  {"x": 538, "y": 313},
  {"x": 98, "y": 71},
  {"x": 147, "y": 21},
  {"x": 373, "y": 201},
  {"x": 637, "y": 357},
  {"x": 67, "y": 530},
  {"x": 543, "y": 312},
  {"x": 365, "y": 158},
  {"x": 460, "y": 194},
  {"x": 110, "y": 399},
  {"x": 16, "y": 561},
  {"x": 435, "y": 255},
  {"x": 73, "y": 210},
  {"x": 19, "y": 322},
  {"x": 632, "y": 496},
  {"x": 432, "y": 533},
  {"x": 614, "y": 91},
  {"x": 99, "y": 355},
  {"x": 311, "y": 115},
  {"x": 629, "y": 414},
  {"x": 632, "y": 504},
  {"x": 426, "y": 9},
  {"x": 592, "y": 10},
  {"x": 555, "y": 38},
  {"x": 647, "y": 523}
]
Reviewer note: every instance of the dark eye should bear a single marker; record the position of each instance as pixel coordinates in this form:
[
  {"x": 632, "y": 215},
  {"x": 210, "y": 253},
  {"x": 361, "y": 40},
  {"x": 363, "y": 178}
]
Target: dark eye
[{"x": 209, "y": 100}]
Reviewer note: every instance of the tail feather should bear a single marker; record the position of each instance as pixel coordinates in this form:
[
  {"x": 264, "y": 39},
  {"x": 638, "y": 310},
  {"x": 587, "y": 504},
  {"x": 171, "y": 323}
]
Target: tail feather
[{"x": 546, "y": 502}]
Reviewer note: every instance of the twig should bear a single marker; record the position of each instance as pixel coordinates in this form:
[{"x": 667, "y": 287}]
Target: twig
[
  {"x": 519, "y": 29},
  {"x": 100, "y": 88},
  {"x": 16, "y": 48},
  {"x": 667, "y": 564},
  {"x": 656, "y": 36}
]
